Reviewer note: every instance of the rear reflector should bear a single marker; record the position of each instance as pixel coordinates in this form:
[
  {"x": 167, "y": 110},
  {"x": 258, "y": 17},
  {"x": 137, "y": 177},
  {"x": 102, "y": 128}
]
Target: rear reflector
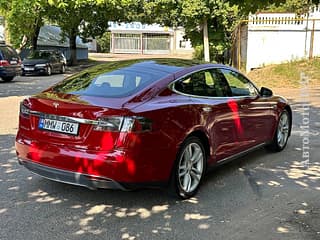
[{"x": 4, "y": 63}]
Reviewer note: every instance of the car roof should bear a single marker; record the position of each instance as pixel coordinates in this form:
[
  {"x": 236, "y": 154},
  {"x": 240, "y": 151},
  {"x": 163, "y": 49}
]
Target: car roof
[{"x": 168, "y": 65}]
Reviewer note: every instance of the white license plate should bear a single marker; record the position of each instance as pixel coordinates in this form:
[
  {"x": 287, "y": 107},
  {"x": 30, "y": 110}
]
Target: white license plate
[
  {"x": 28, "y": 68},
  {"x": 59, "y": 126},
  {"x": 13, "y": 62}
]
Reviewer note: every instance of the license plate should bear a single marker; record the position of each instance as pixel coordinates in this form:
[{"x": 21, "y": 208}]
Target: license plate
[
  {"x": 13, "y": 62},
  {"x": 59, "y": 126},
  {"x": 28, "y": 69}
]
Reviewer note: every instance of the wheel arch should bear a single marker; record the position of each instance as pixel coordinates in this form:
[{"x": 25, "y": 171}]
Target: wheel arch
[{"x": 204, "y": 139}]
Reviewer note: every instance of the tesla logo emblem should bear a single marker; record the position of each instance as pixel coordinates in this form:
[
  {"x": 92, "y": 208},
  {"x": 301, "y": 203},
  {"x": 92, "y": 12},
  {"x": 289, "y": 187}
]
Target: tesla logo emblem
[{"x": 55, "y": 104}]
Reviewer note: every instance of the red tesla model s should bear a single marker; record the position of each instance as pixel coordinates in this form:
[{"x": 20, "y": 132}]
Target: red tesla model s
[{"x": 159, "y": 122}]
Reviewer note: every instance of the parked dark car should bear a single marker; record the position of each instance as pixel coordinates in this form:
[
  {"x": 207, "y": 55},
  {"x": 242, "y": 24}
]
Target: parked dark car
[
  {"x": 160, "y": 122},
  {"x": 44, "y": 62},
  {"x": 10, "y": 63}
]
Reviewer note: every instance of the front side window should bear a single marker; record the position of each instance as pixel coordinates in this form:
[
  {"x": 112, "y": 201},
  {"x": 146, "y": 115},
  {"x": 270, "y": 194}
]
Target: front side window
[{"x": 239, "y": 85}]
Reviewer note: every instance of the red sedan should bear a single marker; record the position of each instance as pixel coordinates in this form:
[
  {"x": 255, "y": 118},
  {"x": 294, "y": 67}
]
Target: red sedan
[{"x": 160, "y": 122}]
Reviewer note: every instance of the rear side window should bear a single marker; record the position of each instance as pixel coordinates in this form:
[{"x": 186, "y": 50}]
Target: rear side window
[
  {"x": 8, "y": 53},
  {"x": 207, "y": 83}
]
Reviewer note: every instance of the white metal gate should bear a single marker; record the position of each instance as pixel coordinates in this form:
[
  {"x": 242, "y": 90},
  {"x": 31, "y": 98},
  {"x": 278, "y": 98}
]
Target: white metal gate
[
  {"x": 156, "y": 43},
  {"x": 140, "y": 43},
  {"x": 126, "y": 43}
]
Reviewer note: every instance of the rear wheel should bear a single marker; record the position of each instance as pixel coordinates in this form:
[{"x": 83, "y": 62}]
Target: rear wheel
[
  {"x": 281, "y": 135},
  {"x": 7, "y": 79},
  {"x": 189, "y": 169},
  {"x": 63, "y": 68},
  {"x": 49, "y": 71}
]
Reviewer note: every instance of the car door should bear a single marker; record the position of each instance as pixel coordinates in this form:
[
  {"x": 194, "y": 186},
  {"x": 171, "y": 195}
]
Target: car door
[
  {"x": 212, "y": 108},
  {"x": 255, "y": 122}
]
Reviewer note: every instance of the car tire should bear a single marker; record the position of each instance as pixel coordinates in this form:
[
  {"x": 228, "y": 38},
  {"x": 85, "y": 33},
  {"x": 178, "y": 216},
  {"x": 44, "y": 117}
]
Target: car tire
[
  {"x": 7, "y": 79},
  {"x": 189, "y": 169},
  {"x": 49, "y": 71},
  {"x": 282, "y": 133},
  {"x": 63, "y": 69}
]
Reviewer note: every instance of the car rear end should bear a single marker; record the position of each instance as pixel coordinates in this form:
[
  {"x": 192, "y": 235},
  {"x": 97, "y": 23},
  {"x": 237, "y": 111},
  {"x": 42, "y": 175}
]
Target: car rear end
[
  {"x": 72, "y": 133},
  {"x": 70, "y": 146},
  {"x": 10, "y": 63}
]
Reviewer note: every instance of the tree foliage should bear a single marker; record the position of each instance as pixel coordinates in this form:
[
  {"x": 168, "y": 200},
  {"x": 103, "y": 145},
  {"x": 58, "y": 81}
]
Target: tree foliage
[
  {"x": 24, "y": 20},
  {"x": 88, "y": 17},
  {"x": 220, "y": 15},
  {"x": 68, "y": 15},
  {"x": 297, "y": 6}
]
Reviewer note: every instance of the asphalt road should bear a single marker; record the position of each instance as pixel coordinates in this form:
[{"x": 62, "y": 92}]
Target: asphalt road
[{"x": 260, "y": 196}]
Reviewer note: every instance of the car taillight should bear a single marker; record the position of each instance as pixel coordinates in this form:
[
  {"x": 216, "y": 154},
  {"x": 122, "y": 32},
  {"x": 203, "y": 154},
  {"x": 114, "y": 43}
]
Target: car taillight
[
  {"x": 24, "y": 111},
  {"x": 4, "y": 63},
  {"x": 123, "y": 124}
]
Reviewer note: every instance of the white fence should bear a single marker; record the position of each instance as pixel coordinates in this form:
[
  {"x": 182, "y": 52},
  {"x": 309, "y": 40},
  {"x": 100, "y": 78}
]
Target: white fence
[{"x": 276, "y": 38}]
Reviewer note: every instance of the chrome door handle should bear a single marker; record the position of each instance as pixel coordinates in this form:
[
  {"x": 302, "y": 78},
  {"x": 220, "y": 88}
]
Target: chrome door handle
[{"x": 207, "y": 109}]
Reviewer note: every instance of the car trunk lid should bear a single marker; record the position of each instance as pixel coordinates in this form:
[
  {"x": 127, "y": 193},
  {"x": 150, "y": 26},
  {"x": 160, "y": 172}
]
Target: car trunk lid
[{"x": 51, "y": 113}]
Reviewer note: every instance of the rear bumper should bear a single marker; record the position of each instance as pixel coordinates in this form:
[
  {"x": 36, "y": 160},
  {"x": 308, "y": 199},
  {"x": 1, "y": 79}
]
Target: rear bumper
[
  {"x": 74, "y": 178},
  {"x": 10, "y": 72},
  {"x": 116, "y": 169}
]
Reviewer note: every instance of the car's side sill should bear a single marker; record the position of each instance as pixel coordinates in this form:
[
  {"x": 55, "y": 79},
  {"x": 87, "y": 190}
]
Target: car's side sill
[{"x": 238, "y": 155}]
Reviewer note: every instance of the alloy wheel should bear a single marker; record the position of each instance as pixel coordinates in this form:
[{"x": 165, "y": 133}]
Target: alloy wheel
[
  {"x": 283, "y": 130},
  {"x": 190, "y": 168}
]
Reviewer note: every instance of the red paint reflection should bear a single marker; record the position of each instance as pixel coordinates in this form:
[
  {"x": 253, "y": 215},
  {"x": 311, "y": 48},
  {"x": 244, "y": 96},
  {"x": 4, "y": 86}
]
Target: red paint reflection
[
  {"x": 35, "y": 152},
  {"x": 233, "y": 105}
]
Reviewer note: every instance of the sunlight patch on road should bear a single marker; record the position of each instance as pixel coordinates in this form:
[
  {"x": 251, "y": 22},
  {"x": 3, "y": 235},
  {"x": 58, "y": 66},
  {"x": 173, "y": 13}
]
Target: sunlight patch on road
[
  {"x": 97, "y": 209},
  {"x": 159, "y": 208},
  {"x": 3, "y": 210},
  {"x": 204, "y": 226},
  {"x": 282, "y": 230},
  {"x": 195, "y": 216},
  {"x": 192, "y": 200},
  {"x": 274, "y": 184}
]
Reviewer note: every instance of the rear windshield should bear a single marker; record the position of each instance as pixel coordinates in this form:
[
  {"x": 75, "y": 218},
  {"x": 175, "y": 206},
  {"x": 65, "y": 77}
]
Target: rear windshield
[
  {"x": 8, "y": 53},
  {"x": 119, "y": 79}
]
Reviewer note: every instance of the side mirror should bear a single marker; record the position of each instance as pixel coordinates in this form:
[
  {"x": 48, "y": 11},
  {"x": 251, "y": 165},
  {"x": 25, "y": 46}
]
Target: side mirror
[{"x": 266, "y": 92}]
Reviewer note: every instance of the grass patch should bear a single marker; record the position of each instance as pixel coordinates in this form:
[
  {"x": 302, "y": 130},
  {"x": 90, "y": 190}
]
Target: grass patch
[{"x": 287, "y": 75}]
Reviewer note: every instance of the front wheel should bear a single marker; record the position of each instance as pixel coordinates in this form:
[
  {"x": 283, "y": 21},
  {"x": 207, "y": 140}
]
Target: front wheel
[
  {"x": 282, "y": 133},
  {"x": 189, "y": 169}
]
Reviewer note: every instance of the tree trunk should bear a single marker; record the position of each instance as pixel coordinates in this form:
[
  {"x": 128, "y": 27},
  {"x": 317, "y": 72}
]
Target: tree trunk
[
  {"x": 73, "y": 47},
  {"x": 34, "y": 39},
  {"x": 206, "y": 41}
]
